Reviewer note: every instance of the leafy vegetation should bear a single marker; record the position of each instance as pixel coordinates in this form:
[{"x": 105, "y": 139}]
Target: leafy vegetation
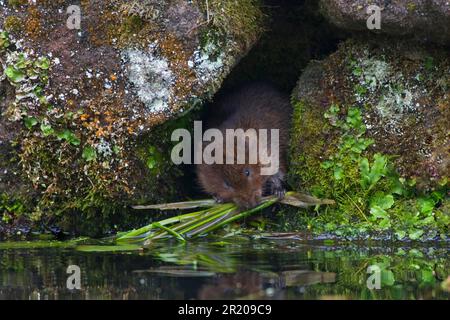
[
  {"x": 10, "y": 209},
  {"x": 370, "y": 195}
]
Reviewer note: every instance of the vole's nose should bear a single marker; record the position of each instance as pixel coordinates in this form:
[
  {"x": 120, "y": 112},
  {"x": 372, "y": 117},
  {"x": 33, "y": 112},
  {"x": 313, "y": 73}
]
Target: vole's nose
[{"x": 248, "y": 203}]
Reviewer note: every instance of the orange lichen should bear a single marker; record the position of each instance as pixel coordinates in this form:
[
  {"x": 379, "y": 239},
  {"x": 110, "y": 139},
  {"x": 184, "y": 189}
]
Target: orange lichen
[{"x": 33, "y": 23}]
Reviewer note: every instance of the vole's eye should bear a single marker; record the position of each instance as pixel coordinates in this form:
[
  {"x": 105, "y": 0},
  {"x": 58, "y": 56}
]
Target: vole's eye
[
  {"x": 226, "y": 184},
  {"x": 247, "y": 172}
]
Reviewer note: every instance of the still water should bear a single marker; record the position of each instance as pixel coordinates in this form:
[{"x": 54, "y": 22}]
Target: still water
[{"x": 235, "y": 269}]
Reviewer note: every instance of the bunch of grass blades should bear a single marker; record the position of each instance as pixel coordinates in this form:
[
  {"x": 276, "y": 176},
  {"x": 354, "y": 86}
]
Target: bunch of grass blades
[{"x": 211, "y": 217}]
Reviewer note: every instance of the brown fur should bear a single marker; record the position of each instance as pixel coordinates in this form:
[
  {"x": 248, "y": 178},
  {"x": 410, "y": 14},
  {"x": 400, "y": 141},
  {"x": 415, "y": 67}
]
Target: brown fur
[{"x": 257, "y": 106}]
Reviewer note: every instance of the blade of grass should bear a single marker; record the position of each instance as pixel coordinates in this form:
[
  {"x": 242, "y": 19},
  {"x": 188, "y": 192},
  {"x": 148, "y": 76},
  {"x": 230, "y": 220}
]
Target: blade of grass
[
  {"x": 267, "y": 203},
  {"x": 179, "y": 205},
  {"x": 141, "y": 231},
  {"x": 212, "y": 218},
  {"x": 178, "y": 236},
  {"x": 195, "y": 232},
  {"x": 188, "y": 223},
  {"x": 204, "y": 221},
  {"x": 303, "y": 200}
]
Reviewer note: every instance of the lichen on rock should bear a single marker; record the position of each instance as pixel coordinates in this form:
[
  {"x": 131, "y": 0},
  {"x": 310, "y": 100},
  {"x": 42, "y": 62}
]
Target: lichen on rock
[{"x": 151, "y": 78}]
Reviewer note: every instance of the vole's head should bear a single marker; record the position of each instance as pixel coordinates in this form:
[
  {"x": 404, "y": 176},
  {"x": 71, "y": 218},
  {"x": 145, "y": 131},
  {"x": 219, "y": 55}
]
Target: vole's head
[{"x": 239, "y": 183}]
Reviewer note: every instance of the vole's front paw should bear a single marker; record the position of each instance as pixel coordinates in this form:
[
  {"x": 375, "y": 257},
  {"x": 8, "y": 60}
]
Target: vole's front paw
[
  {"x": 279, "y": 191},
  {"x": 276, "y": 187},
  {"x": 218, "y": 199}
]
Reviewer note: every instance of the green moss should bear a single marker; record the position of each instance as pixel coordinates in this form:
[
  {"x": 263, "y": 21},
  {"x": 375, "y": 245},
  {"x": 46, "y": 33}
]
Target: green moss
[
  {"x": 87, "y": 163},
  {"x": 130, "y": 26},
  {"x": 17, "y": 3},
  {"x": 13, "y": 24},
  {"x": 240, "y": 21},
  {"x": 82, "y": 180},
  {"x": 411, "y": 6}
]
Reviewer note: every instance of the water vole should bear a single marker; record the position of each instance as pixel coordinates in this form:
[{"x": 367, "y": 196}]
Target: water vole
[{"x": 253, "y": 106}]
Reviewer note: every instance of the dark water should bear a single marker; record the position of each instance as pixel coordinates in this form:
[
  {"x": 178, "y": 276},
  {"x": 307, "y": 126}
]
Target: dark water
[{"x": 249, "y": 269}]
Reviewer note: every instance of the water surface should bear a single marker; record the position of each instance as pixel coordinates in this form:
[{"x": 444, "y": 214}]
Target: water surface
[{"x": 236, "y": 269}]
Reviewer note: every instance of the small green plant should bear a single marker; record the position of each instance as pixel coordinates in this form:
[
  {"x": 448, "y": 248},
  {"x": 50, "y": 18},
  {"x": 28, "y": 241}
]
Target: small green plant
[
  {"x": 10, "y": 208},
  {"x": 154, "y": 158},
  {"x": 89, "y": 154},
  {"x": 29, "y": 76},
  {"x": 68, "y": 136},
  {"x": 4, "y": 41}
]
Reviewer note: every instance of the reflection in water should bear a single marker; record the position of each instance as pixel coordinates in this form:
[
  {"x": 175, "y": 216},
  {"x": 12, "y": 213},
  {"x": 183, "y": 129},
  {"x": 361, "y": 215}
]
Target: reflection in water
[{"x": 282, "y": 269}]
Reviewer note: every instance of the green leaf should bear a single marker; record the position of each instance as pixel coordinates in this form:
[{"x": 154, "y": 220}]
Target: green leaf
[
  {"x": 42, "y": 63},
  {"x": 89, "y": 154},
  {"x": 385, "y": 224},
  {"x": 415, "y": 234},
  {"x": 4, "y": 40},
  {"x": 379, "y": 167},
  {"x": 387, "y": 278},
  {"x": 396, "y": 185},
  {"x": 69, "y": 137},
  {"x": 438, "y": 195},
  {"x": 338, "y": 173},
  {"x": 361, "y": 90},
  {"x": 14, "y": 75},
  {"x": 151, "y": 162},
  {"x": 365, "y": 171},
  {"x": 357, "y": 71},
  {"x": 426, "y": 205},
  {"x": 378, "y": 212},
  {"x": 30, "y": 122},
  {"x": 371, "y": 175},
  {"x": 400, "y": 234},
  {"x": 75, "y": 141},
  {"x": 64, "y": 135},
  {"x": 427, "y": 276},
  {"x": 384, "y": 201},
  {"x": 326, "y": 164},
  {"x": 354, "y": 118},
  {"x": 443, "y": 181},
  {"x": 427, "y": 220},
  {"x": 22, "y": 62},
  {"x": 47, "y": 129}
]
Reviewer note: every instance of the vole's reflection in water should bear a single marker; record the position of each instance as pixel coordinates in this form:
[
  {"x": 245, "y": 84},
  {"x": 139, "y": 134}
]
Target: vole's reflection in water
[
  {"x": 252, "y": 285},
  {"x": 254, "y": 270}
]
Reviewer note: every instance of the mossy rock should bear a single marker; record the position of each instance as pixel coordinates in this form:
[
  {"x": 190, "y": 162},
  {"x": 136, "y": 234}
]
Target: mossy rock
[
  {"x": 86, "y": 114},
  {"x": 370, "y": 129},
  {"x": 424, "y": 21},
  {"x": 403, "y": 94}
]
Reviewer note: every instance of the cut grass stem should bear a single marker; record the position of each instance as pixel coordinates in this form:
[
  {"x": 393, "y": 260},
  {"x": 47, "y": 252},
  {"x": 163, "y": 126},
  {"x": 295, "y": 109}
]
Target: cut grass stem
[{"x": 202, "y": 222}]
